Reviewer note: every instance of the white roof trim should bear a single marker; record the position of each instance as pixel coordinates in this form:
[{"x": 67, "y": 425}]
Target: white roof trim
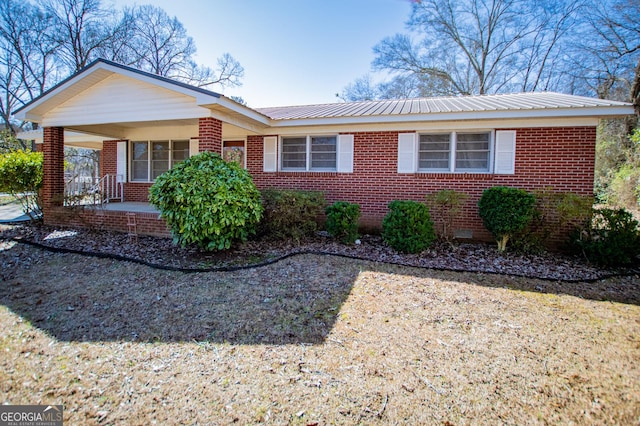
[{"x": 69, "y": 136}]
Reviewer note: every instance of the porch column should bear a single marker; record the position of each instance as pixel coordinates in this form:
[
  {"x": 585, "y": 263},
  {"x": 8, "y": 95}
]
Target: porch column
[
  {"x": 210, "y": 135},
  {"x": 52, "y": 168}
]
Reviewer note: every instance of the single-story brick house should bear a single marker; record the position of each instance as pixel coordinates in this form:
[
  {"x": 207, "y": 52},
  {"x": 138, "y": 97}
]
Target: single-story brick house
[{"x": 364, "y": 152}]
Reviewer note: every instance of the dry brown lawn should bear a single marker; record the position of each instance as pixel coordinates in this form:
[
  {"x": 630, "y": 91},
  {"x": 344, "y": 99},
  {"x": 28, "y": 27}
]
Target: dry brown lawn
[{"x": 314, "y": 340}]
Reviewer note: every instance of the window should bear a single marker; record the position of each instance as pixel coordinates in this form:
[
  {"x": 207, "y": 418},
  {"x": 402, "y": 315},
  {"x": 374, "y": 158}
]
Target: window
[
  {"x": 472, "y": 152},
  {"x": 434, "y": 152},
  {"x": 454, "y": 152},
  {"x": 314, "y": 153},
  {"x": 149, "y": 159},
  {"x": 294, "y": 153},
  {"x": 140, "y": 161}
]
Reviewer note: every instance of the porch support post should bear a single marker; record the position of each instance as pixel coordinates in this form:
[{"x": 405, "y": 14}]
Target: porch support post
[
  {"x": 210, "y": 135},
  {"x": 52, "y": 168}
]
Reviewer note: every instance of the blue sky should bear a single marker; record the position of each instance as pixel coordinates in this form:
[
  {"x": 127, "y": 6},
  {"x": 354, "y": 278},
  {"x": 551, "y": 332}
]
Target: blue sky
[{"x": 293, "y": 52}]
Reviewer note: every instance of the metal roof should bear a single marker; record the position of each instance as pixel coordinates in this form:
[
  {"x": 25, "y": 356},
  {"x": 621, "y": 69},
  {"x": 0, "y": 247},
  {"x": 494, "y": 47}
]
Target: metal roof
[{"x": 421, "y": 106}]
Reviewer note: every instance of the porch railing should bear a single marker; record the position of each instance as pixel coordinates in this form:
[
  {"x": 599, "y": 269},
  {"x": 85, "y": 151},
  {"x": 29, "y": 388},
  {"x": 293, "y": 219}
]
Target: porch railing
[
  {"x": 79, "y": 185},
  {"x": 111, "y": 188},
  {"x": 87, "y": 190}
]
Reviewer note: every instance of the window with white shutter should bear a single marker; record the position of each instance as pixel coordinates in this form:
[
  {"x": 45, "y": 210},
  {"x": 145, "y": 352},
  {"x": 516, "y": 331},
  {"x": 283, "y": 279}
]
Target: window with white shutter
[
  {"x": 406, "y": 153},
  {"x": 121, "y": 162},
  {"x": 270, "y": 154},
  {"x": 345, "y": 154},
  {"x": 505, "y": 158}
]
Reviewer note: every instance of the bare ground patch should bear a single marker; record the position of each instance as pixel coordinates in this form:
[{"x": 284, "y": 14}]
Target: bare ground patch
[{"x": 314, "y": 339}]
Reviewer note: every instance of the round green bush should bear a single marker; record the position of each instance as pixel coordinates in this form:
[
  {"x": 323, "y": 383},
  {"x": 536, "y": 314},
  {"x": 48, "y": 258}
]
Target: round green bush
[
  {"x": 342, "y": 221},
  {"x": 408, "y": 226},
  {"x": 207, "y": 201},
  {"x": 506, "y": 211}
]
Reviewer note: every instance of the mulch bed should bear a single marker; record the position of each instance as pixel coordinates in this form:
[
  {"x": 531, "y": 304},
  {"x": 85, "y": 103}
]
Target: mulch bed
[{"x": 161, "y": 252}]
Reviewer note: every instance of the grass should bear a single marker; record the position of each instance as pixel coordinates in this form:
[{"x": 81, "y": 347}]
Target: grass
[
  {"x": 7, "y": 199},
  {"x": 313, "y": 339}
]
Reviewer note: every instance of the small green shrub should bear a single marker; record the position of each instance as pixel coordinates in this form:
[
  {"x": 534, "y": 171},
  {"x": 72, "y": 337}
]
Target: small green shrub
[
  {"x": 291, "y": 213},
  {"x": 21, "y": 176},
  {"x": 611, "y": 238},
  {"x": 408, "y": 227},
  {"x": 505, "y": 212},
  {"x": 207, "y": 201},
  {"x": 445, "y": 206},
  {"x": 342, "y": 221}
]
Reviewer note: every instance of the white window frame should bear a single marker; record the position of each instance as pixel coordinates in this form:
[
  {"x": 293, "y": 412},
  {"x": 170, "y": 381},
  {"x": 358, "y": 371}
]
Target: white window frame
[
  {"x": 307, "y": 167},
  {"x": 453, "y": 141},
  {"x": 149, "y": 157}
]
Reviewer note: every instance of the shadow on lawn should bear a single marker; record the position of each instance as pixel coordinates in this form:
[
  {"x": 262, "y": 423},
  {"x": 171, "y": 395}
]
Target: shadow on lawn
[
  {"x": 295, "y": 301},
  {"x": 75, "y": 298}
]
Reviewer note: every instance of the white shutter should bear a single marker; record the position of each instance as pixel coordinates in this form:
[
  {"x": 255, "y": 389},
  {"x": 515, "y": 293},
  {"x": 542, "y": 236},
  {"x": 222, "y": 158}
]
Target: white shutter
[
  {"x": 406, "y": 153},
  {"x": 121, "y": 162},
  {"x": 505, "y": 163},
  {"x": 344, "y": 160},
  {"x": 270, "y": 154},
  {"x": 194, "y": 147}
]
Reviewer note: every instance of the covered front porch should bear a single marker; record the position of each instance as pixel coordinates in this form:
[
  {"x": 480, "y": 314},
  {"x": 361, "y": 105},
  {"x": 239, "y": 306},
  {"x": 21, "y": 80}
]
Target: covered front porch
[{"x": 142, "y": 124}]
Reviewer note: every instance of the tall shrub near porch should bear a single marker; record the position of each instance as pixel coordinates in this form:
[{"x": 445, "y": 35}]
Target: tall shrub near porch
[
  {"x": 21, "y": 176},
  {"x": 207, "y": 201}
]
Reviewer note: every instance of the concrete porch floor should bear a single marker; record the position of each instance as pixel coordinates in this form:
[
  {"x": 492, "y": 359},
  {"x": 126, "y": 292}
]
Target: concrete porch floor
[{"x": 129, "y": 206}]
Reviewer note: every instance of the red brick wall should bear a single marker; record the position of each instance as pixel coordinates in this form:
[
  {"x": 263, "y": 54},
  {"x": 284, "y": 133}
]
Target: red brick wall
[
  {"x": 562, "y": 158},
  {"x": 209, "y": 135},
  {"x": 53, "y": 168},
  {"x": 109, "y": 158}
]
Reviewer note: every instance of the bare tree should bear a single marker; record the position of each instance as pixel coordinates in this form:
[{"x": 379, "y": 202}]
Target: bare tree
[
  {"x": 149, "y": 39},
  {"x": 610, "y": 60},
  {"x": 28, "y": 64},
  {"x": 228, "y": 72},
  {"x": 161, "y": 42},
  {"x": 82, "y": 28},
  {"x": 43, "y": 41},
  {"x": 478, "y": 47},
  {"x": 362, "y": 89}
]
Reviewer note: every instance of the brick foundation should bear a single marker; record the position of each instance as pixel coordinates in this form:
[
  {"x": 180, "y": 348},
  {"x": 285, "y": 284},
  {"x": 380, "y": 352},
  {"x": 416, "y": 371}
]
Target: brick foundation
[{"x": 108, "y": 220}]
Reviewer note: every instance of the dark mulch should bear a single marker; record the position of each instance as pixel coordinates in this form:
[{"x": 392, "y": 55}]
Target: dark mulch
[{"x": 476, "y": 257}]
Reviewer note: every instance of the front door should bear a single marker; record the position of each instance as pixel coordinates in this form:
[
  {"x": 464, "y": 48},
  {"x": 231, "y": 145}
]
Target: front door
[{"x": 234, "y": 151}]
